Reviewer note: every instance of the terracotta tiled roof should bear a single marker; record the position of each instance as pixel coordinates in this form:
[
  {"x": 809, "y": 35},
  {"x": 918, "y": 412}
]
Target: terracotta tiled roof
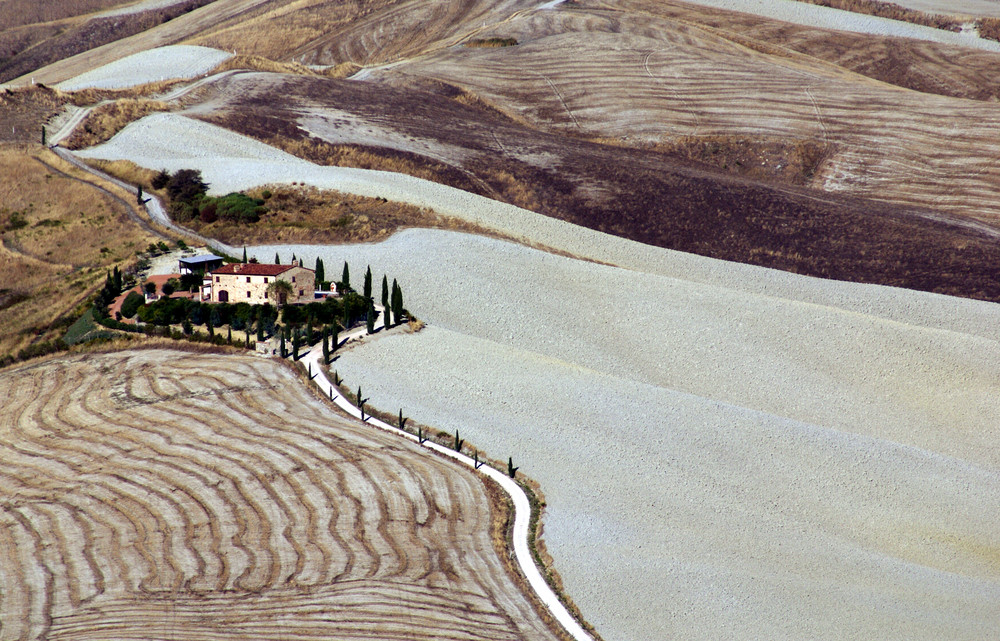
[{"x": 253, "y": 269}]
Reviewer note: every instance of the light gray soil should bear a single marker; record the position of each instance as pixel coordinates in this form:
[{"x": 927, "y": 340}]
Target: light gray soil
[
  {"x": 826, "y": 18},
  {"x": 154, "y": 65},
  {"x": 717, "y": 463},
  {"x": 727, "y": 451}
]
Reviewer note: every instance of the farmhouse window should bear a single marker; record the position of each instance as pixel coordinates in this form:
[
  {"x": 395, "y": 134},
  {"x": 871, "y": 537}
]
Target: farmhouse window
[
  {"x": 293, "y": 279},
  {"x": 300, "y": 292},
  {"x": 216, "y": 279},
  {"x": 248, "y": 294},
  {"x": 265, "y": 280},
  {"x": 248, "y": 279}
]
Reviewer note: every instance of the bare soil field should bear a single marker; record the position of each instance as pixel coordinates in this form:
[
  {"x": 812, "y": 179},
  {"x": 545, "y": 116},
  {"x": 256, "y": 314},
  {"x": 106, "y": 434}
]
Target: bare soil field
[
  {"x": 985, "y": 8},
  {"x": 726, "y": 451},
  {"x": 186, "y": 25},
  {"x": 37, "y": 44},
  {"x": 155, "y": 494},
  {"x": 674, "y": 79},
  {"x": 666, "y": 195}
]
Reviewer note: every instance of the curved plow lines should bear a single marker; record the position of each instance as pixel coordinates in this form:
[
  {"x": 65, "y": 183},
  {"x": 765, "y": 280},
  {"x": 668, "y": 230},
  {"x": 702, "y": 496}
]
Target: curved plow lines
[{"x": 155, "y": 493}]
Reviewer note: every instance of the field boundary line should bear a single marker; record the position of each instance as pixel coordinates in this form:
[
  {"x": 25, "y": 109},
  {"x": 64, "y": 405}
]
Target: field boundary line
[{"x": 522, "y": 506}]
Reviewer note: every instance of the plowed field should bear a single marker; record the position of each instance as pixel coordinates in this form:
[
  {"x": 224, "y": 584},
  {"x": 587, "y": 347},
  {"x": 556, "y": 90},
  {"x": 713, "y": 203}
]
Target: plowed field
[{"x": 156, "y": 494}]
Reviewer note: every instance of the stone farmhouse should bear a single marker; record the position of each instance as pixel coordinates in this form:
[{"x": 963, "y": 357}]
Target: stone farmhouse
[{"x": 248, "y": 283}]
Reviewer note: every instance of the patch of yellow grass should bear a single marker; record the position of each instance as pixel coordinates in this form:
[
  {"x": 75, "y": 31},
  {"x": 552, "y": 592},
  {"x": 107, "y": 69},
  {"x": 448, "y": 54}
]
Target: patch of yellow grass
[
  {"x": 60, "y": 236},
  {"x": 260, "y": 63},
  {"x": 107, "y": 120}
]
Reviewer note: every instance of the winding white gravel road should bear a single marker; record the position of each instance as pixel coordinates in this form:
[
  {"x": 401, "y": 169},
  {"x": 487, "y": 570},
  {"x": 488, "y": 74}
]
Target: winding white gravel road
[
  {"x": 522, "y": 507},
  {"x": 726, "y": 451}
]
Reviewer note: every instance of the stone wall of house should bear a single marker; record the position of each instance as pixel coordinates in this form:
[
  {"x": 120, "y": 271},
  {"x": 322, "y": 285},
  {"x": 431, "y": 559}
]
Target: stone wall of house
[{"x": 242, "y": 288}]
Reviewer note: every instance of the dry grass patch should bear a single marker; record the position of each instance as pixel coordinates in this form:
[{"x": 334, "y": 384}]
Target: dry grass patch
[
  {"x": 891, "y": 11},
  {"x": 299, "y": 214},
  {"x": 106, "y": 120},
  {"x": 57, "y": 244},
  {"x": 259, "y": 63},
  {"x": 342, "y": 70}
]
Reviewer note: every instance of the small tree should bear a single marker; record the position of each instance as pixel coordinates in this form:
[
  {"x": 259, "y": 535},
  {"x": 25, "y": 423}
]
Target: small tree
[
  {"x": 138, "y": 194},
  {"x": 279, "y": 291},
  {"x": 320, "y": 271},
  {"x": 326, "y": 346},
  {"x": 283, "y": 351},
  {"x": 277, "y": 261},
  {"x": 385, "y": 294},
  {"x": 167, "y": 288},
  {"x": 345, "y": 278},
  {"x": 161, "y": 179},
  {"x": 186, "y": 327},
  {"x": 397, "y": 302},
  {"x": 209, "y": 325},
  {"x": 296, "y": 343},
  {"x": 229, "y": 334},
  {"x": 334, "y": 338},
  {"x": 370, "y": 317},
  {"x": 131, "y": 304},
  {"x": 368, "y": 283},
  {"x": 244, "y": 253}
]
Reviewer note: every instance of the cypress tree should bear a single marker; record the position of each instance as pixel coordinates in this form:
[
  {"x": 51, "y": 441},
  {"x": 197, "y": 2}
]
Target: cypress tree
[
  {"x": 296, "y": 341},
  {"x": 283, "y": 352},
  {"x": 260, "y": 326},
  {"x": 368, "y": 283},
  {"x": 138, "y": 194},
  {"x": 43, "y": 136},
  {"x": 326, "y": 346},
  {"x": 229, "y": 335},
  {"x": 370, "y": 317},
  {"x": 293, "y": 258},
  {"x": 277, "y": 261},
  {"x": 397, "y": 302},
  {"x": 346, "y": 279},
  {"x": 334, "y": 337},
  {"x": 209, "y": 325},
  {"x": 244, "y": 253},
  {"x": 385, "y": 292},
  {"x": 320, "y": 271}
]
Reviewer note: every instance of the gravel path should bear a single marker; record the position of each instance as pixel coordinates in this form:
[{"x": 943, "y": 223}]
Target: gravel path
[
  {"x": 827, "y": 18},
  {"x": 727, "y": 451},
  {"x": 154, "y": 65}
]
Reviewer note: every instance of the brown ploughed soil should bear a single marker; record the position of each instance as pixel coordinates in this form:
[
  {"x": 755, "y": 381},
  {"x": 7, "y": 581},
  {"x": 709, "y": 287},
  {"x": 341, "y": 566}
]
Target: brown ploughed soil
[{"x": 162, "y": 494}]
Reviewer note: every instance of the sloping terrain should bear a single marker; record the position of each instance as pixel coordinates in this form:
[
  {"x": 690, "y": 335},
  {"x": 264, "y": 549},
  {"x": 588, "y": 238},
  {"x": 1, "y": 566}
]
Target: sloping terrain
[
  {"x": 40, "y": 33},
  {"x": 672, "y": 79},
  {"x": 659, "y": 197},
  {"x": 727, "y": 452},
  {"x": 157, "y": 494}
]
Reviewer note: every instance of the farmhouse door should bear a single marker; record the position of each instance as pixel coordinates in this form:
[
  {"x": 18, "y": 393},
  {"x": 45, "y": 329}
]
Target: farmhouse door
[{"x": 223, "y": 296}]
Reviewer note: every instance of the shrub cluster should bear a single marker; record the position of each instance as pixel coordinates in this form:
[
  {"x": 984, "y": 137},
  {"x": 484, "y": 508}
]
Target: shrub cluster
[{"x": 189, "y": 199}]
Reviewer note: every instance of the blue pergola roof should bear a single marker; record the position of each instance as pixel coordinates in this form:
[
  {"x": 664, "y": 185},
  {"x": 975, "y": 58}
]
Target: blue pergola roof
[{"x": 208, "y": 258}]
